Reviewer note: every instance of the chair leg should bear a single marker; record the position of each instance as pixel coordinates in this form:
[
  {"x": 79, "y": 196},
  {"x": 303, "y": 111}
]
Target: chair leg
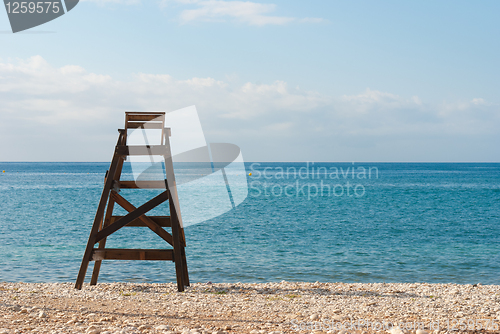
[
  {"x": 98, "y": 217},
  {"x": 102, "y": 243},
  {"x": 184, "y": 266}
]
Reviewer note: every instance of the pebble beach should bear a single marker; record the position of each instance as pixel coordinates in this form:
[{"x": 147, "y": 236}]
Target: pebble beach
[{"x": 263, "y": 308}]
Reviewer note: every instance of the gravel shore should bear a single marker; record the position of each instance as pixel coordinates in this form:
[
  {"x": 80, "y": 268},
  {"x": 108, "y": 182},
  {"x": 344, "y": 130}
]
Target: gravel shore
[{"x": 286, "y": 307}]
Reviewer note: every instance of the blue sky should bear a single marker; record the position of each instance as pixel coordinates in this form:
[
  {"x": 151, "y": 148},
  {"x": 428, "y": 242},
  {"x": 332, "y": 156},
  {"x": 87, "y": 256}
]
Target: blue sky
[{"x": 285, "y": 80}]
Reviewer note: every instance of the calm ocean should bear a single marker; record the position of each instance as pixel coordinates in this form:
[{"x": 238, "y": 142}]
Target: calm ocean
[{"x": 386, "y": 222}]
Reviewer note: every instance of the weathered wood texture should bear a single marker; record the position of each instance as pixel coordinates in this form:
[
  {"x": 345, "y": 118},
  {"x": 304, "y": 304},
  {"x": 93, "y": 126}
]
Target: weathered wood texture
[
  {"x": 105, "y": 223},
  {"x": 133, "y": 254}
]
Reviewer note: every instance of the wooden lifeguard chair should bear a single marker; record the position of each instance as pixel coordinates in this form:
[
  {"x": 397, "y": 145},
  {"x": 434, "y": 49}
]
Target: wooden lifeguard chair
[{"x": 105, "y": 223}]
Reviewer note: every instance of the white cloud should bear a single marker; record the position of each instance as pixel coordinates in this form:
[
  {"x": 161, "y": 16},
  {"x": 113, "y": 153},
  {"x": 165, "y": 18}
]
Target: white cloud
[
  {"x": 479, "y": 101},
  {"x": 247, "y": 12},
  {"x": 67, "y": 113},
  {"x": 204, "y": 82},
  {"x": 312, "y": 20}
]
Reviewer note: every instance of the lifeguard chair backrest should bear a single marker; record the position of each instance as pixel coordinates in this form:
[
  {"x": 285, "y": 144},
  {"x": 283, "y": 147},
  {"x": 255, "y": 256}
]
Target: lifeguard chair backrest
[{"x": 145, "y": 120}]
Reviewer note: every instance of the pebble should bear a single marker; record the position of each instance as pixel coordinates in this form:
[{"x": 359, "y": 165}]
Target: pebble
[
  {"x": 263, "y": 308},
  {"x": 162, "y": 328},
  {"x": 15, "y": 308},
  {"x": 396, "y": 330}
]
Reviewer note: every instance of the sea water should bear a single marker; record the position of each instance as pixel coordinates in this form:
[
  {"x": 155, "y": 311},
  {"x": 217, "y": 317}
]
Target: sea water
[{"x": 330, "y": 222}]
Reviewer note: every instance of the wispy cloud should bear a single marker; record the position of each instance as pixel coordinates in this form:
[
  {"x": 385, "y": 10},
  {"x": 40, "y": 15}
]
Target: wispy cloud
[
  {"x": 121, "y": 2},
  {"x": 243, "y": 12},
  {"x": 72, "y": 114},
  {"x": 246, "y": 12},
  {"x": 479, "y": 101}
]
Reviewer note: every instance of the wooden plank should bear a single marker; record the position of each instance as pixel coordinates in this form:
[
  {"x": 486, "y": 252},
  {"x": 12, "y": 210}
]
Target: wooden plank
[
  {"x": 102, "y": 243},
  {"x": 184, "y": 266},
  {"x": 163, "y": 221},
  {"x": 175, "y": 216},
  {"x": 179, "y": 263},
  {"x": 141, "y": 184},
  {"x": 148, "y": 206},
  {"x": 140, "y": 113},
  {"x": 145, "y": 125},
  {"x": 132, "y": 254},
  {"x": 142, "y": 150},
  {"x": 145, "y": 117},
  {"x": 170, "y": 183}
]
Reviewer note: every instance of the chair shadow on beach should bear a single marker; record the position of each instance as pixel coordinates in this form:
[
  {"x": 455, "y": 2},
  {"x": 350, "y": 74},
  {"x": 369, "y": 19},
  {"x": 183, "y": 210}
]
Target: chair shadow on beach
[
  {"x": 136, "y": 306},
  {"x": 291, "y": 292},
  {"x": 209, "y": 288}
]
